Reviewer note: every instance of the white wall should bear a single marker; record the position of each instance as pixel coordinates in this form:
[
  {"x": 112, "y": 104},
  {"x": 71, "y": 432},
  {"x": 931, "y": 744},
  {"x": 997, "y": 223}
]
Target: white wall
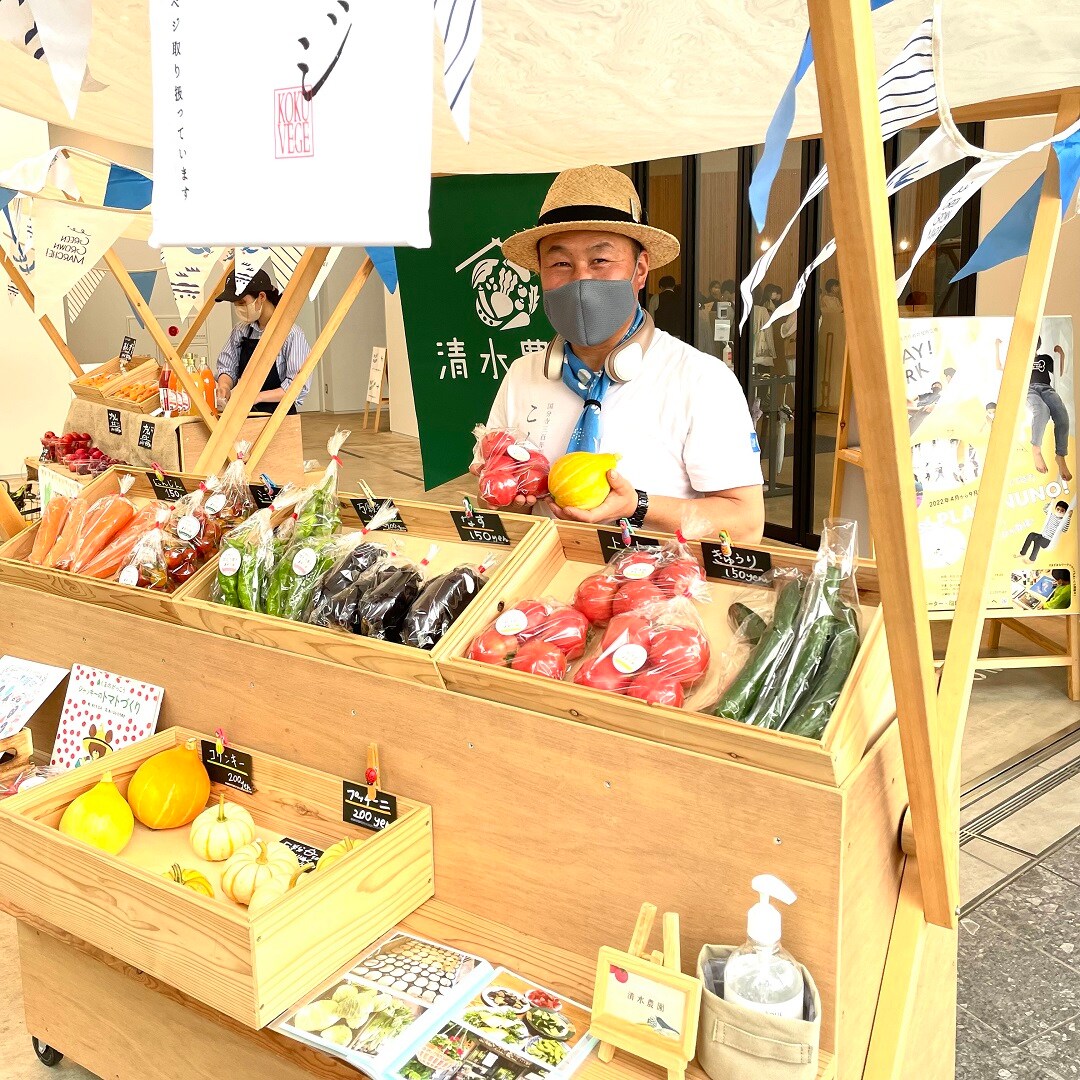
[{"x": 402, "y": 405}]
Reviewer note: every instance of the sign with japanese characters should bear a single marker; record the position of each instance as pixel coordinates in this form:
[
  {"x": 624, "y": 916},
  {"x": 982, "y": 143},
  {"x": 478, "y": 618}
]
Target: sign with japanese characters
[
  {"x": 375, "y": 376},
  {"x": 302, "y": 70},
  {"x": 230, "y": 767},
  {"x": 469, "y": 312},
  {"x": 24, "y": 686},
  {"x": 103, "y": 712},
  {"x": 725, "y": 562}
]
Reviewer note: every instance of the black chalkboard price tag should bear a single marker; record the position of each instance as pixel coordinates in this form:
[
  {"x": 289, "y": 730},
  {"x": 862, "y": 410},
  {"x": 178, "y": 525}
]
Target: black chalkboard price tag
[
  {"x": 231, "y": 767},
  {"x": 306, "y": 853},
  {"x": 115, "y": 426},
  {"x": 169, "y": 488},
  {"x": 357, "y": 809},
  {"x": 481, "y": 527},
  {"x": 263, "y": 494},
  {"x": 127, "y": 351},
  {"x": 146, "y": 434},
  {"x": 366, "y": 510},
  {"x": 611, "y": 542},
  {"x": 744, "y": 566}
]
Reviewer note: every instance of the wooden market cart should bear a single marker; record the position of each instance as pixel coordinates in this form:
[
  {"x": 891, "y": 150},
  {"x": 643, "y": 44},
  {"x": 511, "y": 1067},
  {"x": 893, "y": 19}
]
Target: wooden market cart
[{"x": 550, "y": 829}]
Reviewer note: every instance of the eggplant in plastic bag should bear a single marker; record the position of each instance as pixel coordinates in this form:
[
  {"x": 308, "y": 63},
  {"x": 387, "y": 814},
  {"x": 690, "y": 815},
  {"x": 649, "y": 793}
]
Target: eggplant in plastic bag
[
  {"x": 334, "y": 603},
  {"x": 382, "y": 608},
  {"x": 440, "y": 602}
]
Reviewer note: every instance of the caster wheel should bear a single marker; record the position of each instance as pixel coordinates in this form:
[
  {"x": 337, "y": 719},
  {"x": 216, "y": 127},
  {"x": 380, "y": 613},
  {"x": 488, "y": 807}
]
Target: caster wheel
[{"x": 46, "y": 1054}]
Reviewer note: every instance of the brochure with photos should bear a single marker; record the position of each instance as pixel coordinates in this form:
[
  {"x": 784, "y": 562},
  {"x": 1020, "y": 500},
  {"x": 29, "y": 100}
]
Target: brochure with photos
[{"x": 412, "y": 1009}]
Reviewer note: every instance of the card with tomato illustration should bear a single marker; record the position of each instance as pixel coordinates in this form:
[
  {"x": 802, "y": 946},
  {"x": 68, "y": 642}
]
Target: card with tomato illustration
[{"x": 103, "y": 712}]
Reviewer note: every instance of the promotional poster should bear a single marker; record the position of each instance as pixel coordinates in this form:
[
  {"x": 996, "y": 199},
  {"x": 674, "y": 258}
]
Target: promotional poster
[{"x": 953, "y": 373}]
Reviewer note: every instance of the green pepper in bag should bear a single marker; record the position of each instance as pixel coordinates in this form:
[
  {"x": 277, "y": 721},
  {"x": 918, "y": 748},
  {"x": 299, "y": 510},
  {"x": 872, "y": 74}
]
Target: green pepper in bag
[
  {"x": 298, "y": 574},
  {"x": 320, "y": 515}
]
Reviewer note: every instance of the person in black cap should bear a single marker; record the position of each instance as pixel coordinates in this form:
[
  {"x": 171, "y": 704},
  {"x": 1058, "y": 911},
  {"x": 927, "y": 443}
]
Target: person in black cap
[{"x": 253, "y": 307}]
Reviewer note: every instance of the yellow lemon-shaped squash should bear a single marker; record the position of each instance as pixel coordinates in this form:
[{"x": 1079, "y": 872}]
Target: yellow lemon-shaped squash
[
  {"x": 337, "y": 851},
  {"x": 220, "y": 831},
  {"x": 580, "y": 479},
  {"x": 190, "y": 879},
  {"x": 255, "y": 865},
  {"x": 170, "y": 789},
  {"x": 100, "y": 817}
]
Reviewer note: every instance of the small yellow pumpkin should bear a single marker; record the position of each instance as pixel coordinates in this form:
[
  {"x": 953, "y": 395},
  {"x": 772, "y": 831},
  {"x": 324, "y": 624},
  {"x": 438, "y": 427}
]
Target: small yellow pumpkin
[
  {"x": 304, "y": 877},
  {"x": 220, "y": 831},
  {"x": 338, "y": 851},
  {"x": 269, "y": 891},
  {"x": 100, "y": 817},
  {"x": 170, "y": 789},
  {"x": 191, "y": 879},
  {"x": 253, "y": 866}
]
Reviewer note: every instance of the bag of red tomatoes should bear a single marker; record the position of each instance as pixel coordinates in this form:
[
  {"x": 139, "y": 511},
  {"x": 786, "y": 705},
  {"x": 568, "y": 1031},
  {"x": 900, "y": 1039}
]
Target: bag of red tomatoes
[
  {"x": 656, "y": 654},
  {"x": 541, "y": 637},
  {"x": 509, "y": 466},
  {"x": 640, "y": 576},
  {"x": 191, "y": 535}
]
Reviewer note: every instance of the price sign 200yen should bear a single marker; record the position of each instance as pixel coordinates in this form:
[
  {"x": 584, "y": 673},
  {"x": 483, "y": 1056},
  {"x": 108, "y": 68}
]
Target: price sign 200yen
[{"x": 357, "y": 809}]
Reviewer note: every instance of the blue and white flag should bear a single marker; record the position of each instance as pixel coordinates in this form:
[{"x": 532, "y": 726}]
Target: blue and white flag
[
  {"x": 188, "y": 269},
  {"x": 81, "y": 291},
  {"x": 461, "y": 26}
]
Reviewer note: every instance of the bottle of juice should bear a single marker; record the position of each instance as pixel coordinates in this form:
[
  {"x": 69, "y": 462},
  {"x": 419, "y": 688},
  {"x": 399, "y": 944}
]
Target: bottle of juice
[
  {"x": 181, "y": 403},
  {"x": 209, "y": 387},
  {"x": 165, "y": 390}
]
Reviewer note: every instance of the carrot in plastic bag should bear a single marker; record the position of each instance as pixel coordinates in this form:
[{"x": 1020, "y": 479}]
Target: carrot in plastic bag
[
  {"x": 64, "y": 542},
  {"x": 52, "y": 521},
  {"x": 102, "y": 522},
  {"x": 108, "y": 562}
]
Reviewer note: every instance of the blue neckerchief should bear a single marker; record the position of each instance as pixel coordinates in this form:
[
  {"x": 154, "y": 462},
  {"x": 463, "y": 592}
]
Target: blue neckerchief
[{"x": 591, "y": 387}]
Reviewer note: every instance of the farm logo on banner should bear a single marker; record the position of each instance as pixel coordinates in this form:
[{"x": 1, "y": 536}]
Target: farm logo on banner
[{"x": 294, "y": 134}]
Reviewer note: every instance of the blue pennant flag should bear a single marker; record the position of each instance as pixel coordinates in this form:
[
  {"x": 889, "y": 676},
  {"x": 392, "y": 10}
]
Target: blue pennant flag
[
  {"x": 1068, "y": 154},
  {"x": 1009, "y": 238},
  {"x": 777, "y": 135},
  {"x": 127, "y": 189},
  {"x": 6, "y": 195},
  {"x": 386, "y": 264},
  {"x": 144, "y": 282}
]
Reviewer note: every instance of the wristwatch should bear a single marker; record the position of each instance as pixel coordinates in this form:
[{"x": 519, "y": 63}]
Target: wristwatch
[{"x": 638, "y": 518}]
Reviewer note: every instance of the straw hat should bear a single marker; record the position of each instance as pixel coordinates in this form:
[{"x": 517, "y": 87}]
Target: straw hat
[{"x": 593, "y": 199}]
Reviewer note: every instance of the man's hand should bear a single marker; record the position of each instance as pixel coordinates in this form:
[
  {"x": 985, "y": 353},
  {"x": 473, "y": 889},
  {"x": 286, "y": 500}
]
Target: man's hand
[{"x": 621, "y": 503}]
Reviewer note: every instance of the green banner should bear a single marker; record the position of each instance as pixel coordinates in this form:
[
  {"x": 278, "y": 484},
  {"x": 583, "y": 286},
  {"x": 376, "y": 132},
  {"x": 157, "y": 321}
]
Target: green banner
[{"x": 469, "y": 314}]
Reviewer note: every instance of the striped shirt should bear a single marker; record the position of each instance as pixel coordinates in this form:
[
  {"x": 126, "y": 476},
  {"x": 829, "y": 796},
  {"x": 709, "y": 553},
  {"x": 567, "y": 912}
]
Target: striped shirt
[{"x": 289, "y": 361}]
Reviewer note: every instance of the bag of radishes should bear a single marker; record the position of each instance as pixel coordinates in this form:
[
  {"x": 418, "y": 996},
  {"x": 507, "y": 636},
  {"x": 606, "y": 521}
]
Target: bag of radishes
[{"x": 509, "y": 466}]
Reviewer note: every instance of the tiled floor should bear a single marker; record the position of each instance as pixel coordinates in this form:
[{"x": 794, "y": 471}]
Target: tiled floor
[{"x": 1019, "y": 963}]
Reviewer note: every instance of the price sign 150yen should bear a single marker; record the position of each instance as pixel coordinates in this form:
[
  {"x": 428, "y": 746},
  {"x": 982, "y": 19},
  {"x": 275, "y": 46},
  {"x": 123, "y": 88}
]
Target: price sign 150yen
[
  {"x": 480, "y": 528},
  {"x": 724, "y": 562},
  {"x": 357, "y": 809},
  {"x": 231, "y": 767}
]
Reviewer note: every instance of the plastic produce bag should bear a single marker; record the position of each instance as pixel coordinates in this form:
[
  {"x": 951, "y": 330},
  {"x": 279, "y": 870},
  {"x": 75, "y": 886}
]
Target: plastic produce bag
[
  {"x": 655, "y": 653},
  {"x": 192, "y": 535},
  {"x": 52, "y": 523},
  {"x": 146, "y": 567},
  {"x": 298, "y": 574},
  {"x": 320, "y": 516},
  {"x": 231, "y": 501},
  {"x": 540, "y": 637},
  {"x": 100, "y": 524},
  {"x": 441, "y": 602},
  {"x": 509, "y": 466},
  {"x": 382, "y": 608},
  {"x": 108, "y": 562}
]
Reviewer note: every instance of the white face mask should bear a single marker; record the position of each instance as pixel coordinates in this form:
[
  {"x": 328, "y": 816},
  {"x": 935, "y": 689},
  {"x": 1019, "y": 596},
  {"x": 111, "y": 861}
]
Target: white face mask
[{"x": 249, "y": 312}]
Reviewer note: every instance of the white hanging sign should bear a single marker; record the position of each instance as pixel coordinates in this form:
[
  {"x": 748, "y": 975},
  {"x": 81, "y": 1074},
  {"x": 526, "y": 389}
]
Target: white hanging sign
[{"x": 317, "y": 169}]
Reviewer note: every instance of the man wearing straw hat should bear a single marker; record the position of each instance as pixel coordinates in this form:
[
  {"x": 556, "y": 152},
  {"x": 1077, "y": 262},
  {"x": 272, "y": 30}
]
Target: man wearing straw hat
[{"x": 612, "y": 383}]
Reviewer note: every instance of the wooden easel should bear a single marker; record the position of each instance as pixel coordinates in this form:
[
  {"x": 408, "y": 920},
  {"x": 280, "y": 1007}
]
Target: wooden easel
[{"x": 669, "y": 958}]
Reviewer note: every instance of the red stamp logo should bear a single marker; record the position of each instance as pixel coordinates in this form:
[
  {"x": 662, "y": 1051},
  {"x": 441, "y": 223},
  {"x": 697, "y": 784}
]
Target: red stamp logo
[{"x": 294, "y": 135}]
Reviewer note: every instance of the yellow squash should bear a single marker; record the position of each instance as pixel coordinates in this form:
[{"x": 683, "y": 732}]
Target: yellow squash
[
  {"x": 337, "y": 851},
  {"x": 220, "y": 831},
  {"x": 255, "y": 865},
  {"x": 190, "y": 879},
  {"x": 580, "y": 479},
  {"x": 170, "y": 789},
  {"x": 100, "y": 817}
]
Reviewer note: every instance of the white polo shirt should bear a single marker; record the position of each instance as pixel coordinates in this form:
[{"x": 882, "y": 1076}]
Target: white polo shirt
[{"x": 682, "y": 426}]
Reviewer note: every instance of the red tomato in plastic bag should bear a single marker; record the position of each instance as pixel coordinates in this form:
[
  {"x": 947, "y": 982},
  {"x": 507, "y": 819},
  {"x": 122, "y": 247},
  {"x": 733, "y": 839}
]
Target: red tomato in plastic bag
[
  {"x": 533, "y": 477},
  {"x": 594, "y": 596},
  {"x": 494, "y": 443},
  {"x": 628, "y": 629},
  {"x": 679, "y": 578},
  {"x": 540, "y": 658},
  {"x": 636, "y": 594},
  {"x": 566, "y": 628},
  {"x": 637, "y": 565},
  {"x": 491, "y": 647},
  {"x": 679, "y": 652},
  {"x": 498, "y": 487},
  {"x": 656, "y": 690},
  {"x": 600, "y": 674}
]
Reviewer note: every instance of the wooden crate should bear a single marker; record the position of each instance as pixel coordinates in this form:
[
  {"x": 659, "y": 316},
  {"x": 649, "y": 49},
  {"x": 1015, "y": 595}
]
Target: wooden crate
[
  {"x": 81, "y": 389},
  {"x": 15, "y": 569},
  {"x": 283, "y": 461},
  {"x": 427, "y": 523},
  {"x": 142, "y": 374},
  {"x": 560, "y": 559},
  {"x": 249, "y": 967},
  {"x": 16, "y": 753}
]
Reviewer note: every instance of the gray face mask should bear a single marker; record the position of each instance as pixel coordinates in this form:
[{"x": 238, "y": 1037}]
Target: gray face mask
[{"x": 590, "y": 310}]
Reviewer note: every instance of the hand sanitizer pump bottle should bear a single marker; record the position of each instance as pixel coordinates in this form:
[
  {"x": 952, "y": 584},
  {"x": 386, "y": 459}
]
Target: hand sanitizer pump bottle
[{"x": 761, "y": 975}]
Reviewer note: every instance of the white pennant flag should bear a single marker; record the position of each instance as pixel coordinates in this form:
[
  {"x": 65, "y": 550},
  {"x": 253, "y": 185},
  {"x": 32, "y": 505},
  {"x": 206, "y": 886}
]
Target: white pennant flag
[
  {"x": 928, "y": 157},
  {"x": 70, "y": 239},
  {"x": 81, "y": 291},
  {"x": 324, "y": 272},
  {"x": 284, "y": 261},
  {"x": 461, "y": 26},
  {"x": 32, "y": 174},
  {"x": 188, "y": 269},
  {"x": 249, "y": 261},
  {"x": 17, "y": 235},
  {"x": 64, "y": 27}
]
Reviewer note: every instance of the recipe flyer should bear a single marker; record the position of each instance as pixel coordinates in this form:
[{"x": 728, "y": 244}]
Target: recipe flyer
[{"x": 413, "y": 1009}]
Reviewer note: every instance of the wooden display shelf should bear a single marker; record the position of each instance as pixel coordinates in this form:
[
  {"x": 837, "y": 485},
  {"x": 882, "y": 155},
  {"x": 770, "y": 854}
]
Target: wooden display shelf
[
  {"x": 249, "y": 967},
  {"x": 137, "y": 365},
  {"x": 17, "y": 571},
  {"x": 65, "y": 980},
  {"x": 283, "y": 460},
  {"x": 426, "y": 523},
  {"x": 141, "y": 374},
  {"x": 558, "y": 562}
]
